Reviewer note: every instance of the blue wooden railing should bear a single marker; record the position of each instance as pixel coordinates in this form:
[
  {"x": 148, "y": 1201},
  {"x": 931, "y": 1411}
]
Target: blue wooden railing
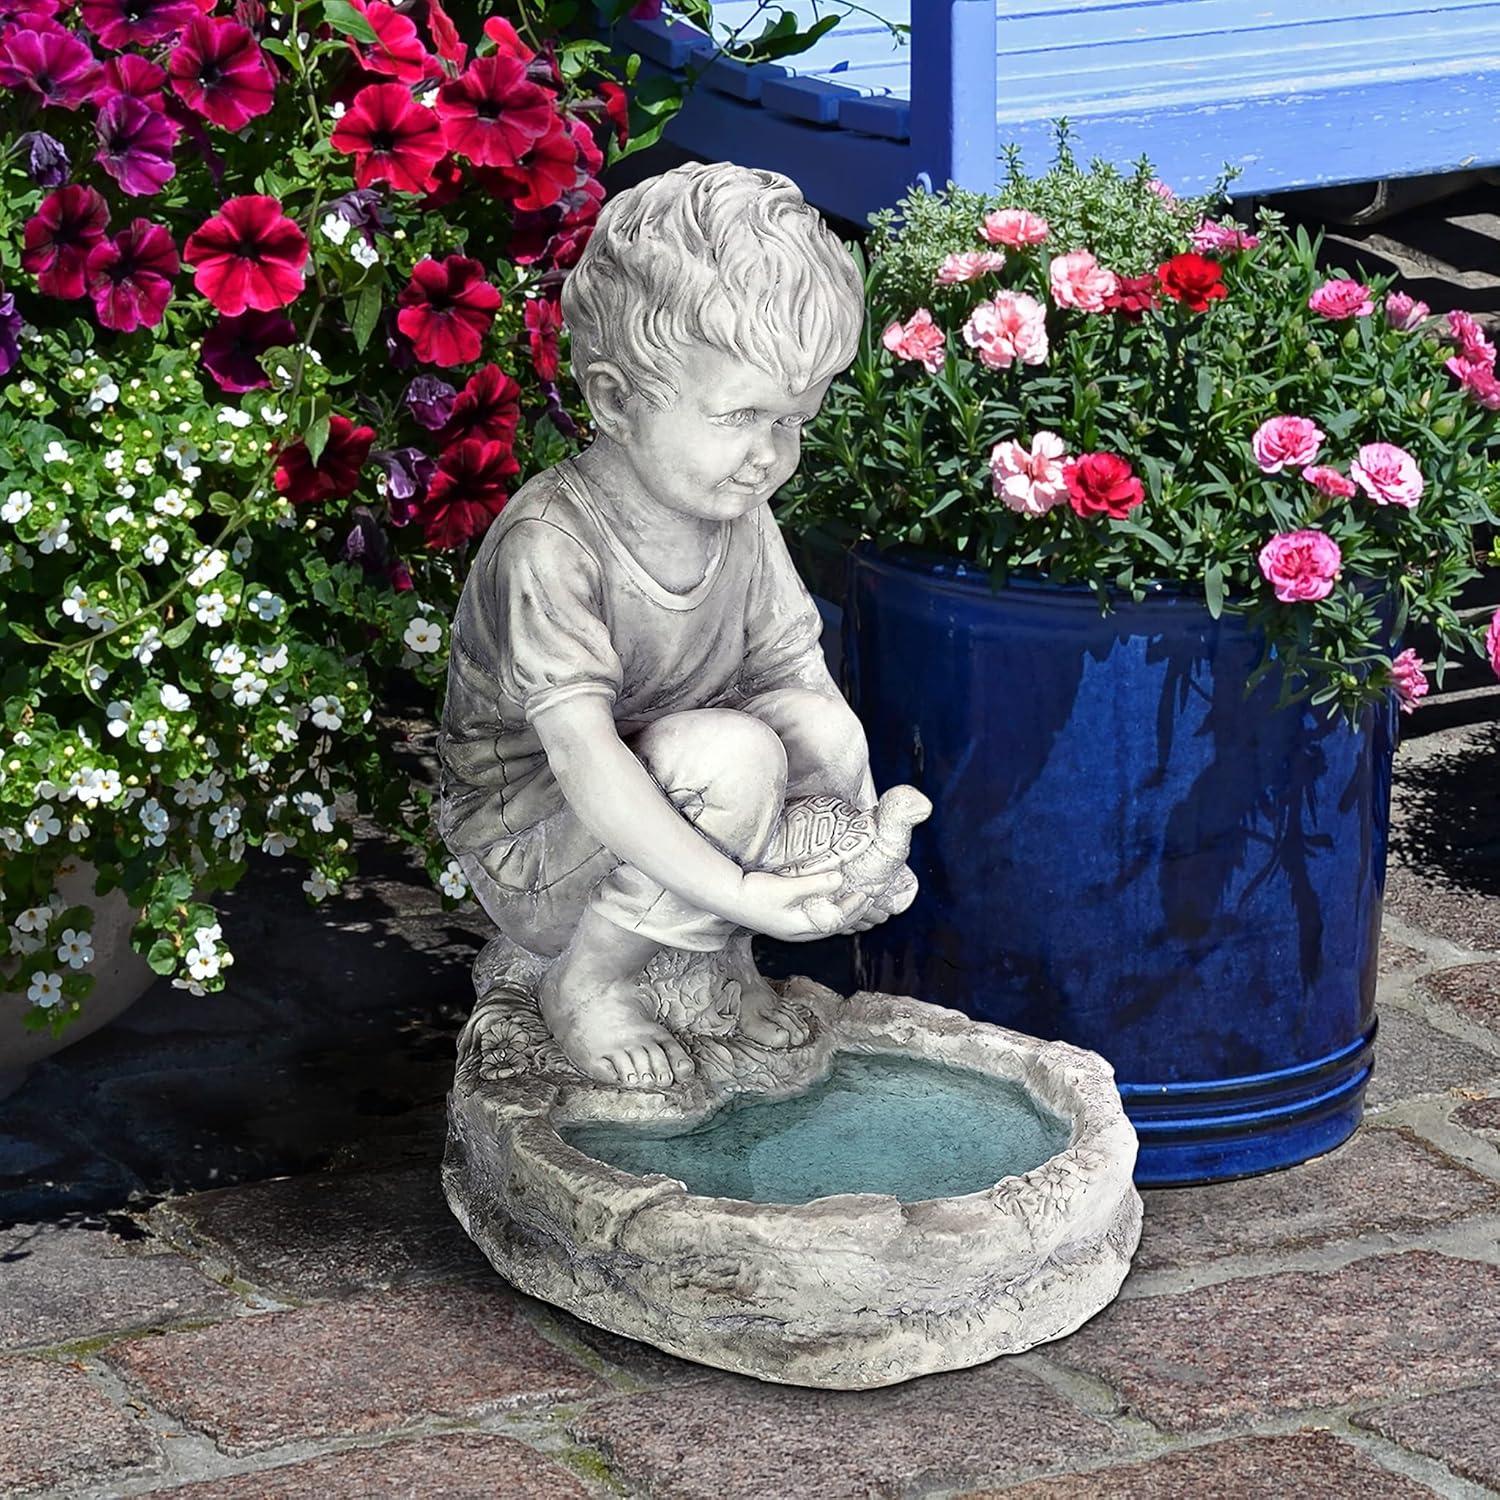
[{"x": 1296, "y": 93}]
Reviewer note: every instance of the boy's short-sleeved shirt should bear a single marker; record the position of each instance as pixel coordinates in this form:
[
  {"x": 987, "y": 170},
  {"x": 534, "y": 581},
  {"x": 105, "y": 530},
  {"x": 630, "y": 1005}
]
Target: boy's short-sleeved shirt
[{"x": 555, "y": 607}]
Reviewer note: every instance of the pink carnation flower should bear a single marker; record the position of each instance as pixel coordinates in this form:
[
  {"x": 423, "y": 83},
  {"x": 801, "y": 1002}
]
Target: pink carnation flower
[
  {"x": 1016, "y": 227},
  {"x": 1330, "y": 481},
  {"x": 1283, "y": 441},
  {"x": 1078, "y": 280},
  {"x": 1404, "y": 313},
  {"x": 917, "y": 338},
  {"x": 1478, "y": 379},
  {"x": 1030, "y": 482},
  {"x": 1300, "y": 565},
  {"x": 1469, "y": 336},
  {"x": 1162, "y": 191},
  {"x": 1492, "y": 643},
  {"x": 1387, "y": 474},
  {"x": 1011, "y": 326},
  {"x": 968, "y": 265},
  {"x": 1409, "y": 680},
  {"x": 1342, "y": 299},
  {"x": 1212, "y": 238}
]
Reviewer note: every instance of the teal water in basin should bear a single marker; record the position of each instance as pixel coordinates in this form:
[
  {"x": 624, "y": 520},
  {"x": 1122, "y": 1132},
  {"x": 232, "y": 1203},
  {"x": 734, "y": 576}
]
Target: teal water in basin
[{"x": 876, "y": 1124}]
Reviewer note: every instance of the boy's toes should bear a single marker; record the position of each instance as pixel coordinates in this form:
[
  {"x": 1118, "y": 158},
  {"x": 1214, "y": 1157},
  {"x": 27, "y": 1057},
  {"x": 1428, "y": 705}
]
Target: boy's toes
[
  {"x": 795, "y": 1024},
  {"x": 678, "y": 1060},
  {"x": 660, "y": 1066}
]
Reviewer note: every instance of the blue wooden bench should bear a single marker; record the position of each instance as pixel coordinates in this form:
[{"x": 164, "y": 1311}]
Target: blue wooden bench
[{"x": 1297, "y": 93}]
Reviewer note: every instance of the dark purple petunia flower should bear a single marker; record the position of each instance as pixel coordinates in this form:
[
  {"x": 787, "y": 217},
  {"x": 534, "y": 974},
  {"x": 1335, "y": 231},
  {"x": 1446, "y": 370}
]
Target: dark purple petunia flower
[
  {"x": 408, "y": 472},
  {"x": 55, "y": 64},
  {"x": 47, "y": 159},
  {"x": 136, "y": 143},
  {"x": 362, "y": 208},
  {"x": 366, "y": 543},
  {"x": 558, "y": 412},
  {"x": 398, "y": 348},
  {"x": 138, "y": 23},
  {"x": 430, "y": 401},
  {"x": 232, "y": 346},
  {"x": 10, "y": 333}
]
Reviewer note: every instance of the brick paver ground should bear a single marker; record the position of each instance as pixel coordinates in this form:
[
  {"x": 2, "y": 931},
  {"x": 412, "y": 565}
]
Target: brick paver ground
[{"x": 304, "y": 1317}]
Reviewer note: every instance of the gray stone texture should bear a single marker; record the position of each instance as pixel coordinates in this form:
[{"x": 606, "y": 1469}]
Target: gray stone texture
[
  {"x": 1461, "y": 1428},
  {"x": 1379, "y": 1181},
  {"x": 455, "y": 1466},
  {"x": 57, "y": 1428},
  {"x": 1473, "y": 990},
  {"x": 61, "y": 1282},
  {"x": 1245, "y": 1350},
  {"x": 731, "y": 1438},
  {"x": 1482, "y": 1115},
  {"x": 330, "y": 1235},
  {"x": 1413, "y": 1058},
  {"x": 1314, "y": 1464},
  {"x": 351, "y": 1368}
]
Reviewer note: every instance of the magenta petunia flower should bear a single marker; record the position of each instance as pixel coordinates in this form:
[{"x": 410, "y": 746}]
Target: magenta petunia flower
[
  {"x": 54, "y": 64},
  {"x": 232, "y": 347},
  {"x": 136, "y": 144},
  {"x": 391, "y": 138},
  {"x": 219, "y": 71},
  {"x": 59, "y": 236},
  {"x": 11, "y": 323},
  {"x": 249, "y": 255},
  {"x": 134, "y": 75},
  {"x": 130, "y": 276},
  {"x": 135, "y": 23},
  {"x": 492, "y": 113}
]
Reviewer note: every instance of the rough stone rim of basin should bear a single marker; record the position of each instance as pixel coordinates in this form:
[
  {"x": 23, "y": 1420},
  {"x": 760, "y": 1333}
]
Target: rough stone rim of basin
[{"x": 1048, "y": 1202}]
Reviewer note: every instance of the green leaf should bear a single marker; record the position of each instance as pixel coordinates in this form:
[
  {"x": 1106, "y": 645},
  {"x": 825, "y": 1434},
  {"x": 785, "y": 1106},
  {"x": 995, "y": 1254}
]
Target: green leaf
[
  {"x": 348, "y": 22},
  {"x": 1213, "y": 588},
  {"x": 367, "y": 314},
  {"x": 163, "y": 956},
  {"x": 316, "y": 438},
  {"x": 1205, "y": 388}
]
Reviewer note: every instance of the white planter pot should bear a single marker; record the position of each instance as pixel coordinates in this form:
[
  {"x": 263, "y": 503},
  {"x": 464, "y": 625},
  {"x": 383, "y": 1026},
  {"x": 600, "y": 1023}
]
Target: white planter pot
[{"x": 121, "y": 977}]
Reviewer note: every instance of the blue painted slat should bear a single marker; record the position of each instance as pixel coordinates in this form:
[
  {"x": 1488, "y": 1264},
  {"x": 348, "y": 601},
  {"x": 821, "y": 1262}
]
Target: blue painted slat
[
  {"x": 883, "y": 115},
  {"x": 812, "y": 99},
  {"x": 1287, "y": 140},
  {"x": 738, "y": 81}
]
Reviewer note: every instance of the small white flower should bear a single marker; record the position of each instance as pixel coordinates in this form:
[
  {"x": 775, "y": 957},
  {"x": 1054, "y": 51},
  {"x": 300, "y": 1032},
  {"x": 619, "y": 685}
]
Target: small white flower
[
  {"x": 322, "y": 820},
  {"x": 78, "y": 830},
  {"x": 422, "y": 635},
  {"x": 25, "y": 942},
  {"x": 155, "y": 820},
  {"x": 364, "y": 252},
  {"x": 248, "y": 690},
  {"x": 75, "y": 948},
  {"x": 209, "y": 563},
  {"x": 211, "y": 608},
  {"x": 34, "y": 919},
  {"x": 228, "y": 661},
  {"x": 147, "y": 647},
  {"x": 107, "y": 784},
  {"x": 173, "y": 699},
  {"x": 55, "y": 538},
  {"x": 233, "y": 416},
  {"x": 327, "y": 713},
  {"x": 119, "y": 515},
  {"x": 241, "y": 550},
  {"x": 104, "y": 393},
  {"x": 17, "y": 504},
  {"x": 21, "y": 737},
  {"x": 336, "y": 228},
  {"x": 336, "y": 110},
  {"x": 266, "y": 605},
  {"x": 44, "y": 989},
  {"x": 97, "y": 676},
  {"x": 144, "y": 467},
  {"x": 156, "y": 549},
  {"x": 224, "y": 821},
  {"x": 317, "y": 885},
  {"x": 125, "y": 490},
  {"x": 114, "y": 460},
  {"x": 276, "y": 843},
  {"x": 11, "y": 839},
  {"x": 272, "y": 416},
  {"x": 40, "y": 824},
  {"x": 56, "y": 454},
  {"x": 119, "y": 718},
  {"x": 200, "y": 964},
  {"x": 152, "y": 735},
  {"x": 171, "y": 503},
  {"x": 308, "y": 803},
  {"x": 272, "y": 661},
  {"x": 453, "y": 882}
]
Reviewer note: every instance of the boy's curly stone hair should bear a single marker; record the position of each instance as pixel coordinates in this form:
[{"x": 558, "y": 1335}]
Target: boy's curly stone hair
[{"x": 729, "y": 256}]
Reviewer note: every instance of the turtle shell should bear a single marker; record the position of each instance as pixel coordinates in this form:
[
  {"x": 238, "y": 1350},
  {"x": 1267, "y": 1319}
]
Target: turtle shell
[{"x": 819, "y": 833}]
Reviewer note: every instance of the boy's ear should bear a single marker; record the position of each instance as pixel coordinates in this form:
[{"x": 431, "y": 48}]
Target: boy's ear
[{"x": 608, "y": 396}]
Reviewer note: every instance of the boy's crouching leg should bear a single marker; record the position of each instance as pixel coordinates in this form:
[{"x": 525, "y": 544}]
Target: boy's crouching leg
[{"x": 826, "y": 748}]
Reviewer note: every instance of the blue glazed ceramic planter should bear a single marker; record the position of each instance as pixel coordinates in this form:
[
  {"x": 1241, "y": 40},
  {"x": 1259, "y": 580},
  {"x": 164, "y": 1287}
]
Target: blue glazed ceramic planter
[{"x": 1129, "y": 853}]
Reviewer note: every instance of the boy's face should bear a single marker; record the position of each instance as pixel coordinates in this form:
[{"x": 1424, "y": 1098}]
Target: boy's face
[{"x": 730, "y": 440}]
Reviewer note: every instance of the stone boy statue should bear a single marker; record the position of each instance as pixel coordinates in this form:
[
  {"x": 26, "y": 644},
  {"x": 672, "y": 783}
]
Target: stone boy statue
[{"x": 636, "y": 693}]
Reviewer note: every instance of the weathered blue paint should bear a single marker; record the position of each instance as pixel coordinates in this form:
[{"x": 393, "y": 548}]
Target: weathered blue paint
[
  {"x": 1128, "y": 853},
  {"x": 1296, "y": 93}
]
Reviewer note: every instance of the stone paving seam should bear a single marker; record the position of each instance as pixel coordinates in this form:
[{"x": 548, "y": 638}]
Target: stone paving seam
[
  {"x": 1445, "y": 1016},
  {"x": 1430, "y": 1118},
  {"x": 1419, "y": 1466},
  {"x": 622, "y": 1381}
]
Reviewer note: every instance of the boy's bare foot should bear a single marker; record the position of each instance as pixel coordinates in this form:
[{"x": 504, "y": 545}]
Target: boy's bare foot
[
  {"x": 591, "y": 1002},
  {"x": 764, "y": 1016}
]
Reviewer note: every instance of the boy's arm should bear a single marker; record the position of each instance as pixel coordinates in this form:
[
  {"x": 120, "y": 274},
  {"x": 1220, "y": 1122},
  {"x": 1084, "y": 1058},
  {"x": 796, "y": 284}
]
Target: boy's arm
[{"x": 615, "y": 798}]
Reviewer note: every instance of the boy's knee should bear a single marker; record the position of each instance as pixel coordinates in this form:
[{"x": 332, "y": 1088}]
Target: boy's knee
[
  {"x": 730, "y": 759},
  {"x": 825, "y": 743}
]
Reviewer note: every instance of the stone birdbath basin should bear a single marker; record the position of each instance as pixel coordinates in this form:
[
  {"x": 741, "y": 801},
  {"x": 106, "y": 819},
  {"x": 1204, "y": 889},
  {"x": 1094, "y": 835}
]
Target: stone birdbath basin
[{"x": 909, "y": 1191}]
